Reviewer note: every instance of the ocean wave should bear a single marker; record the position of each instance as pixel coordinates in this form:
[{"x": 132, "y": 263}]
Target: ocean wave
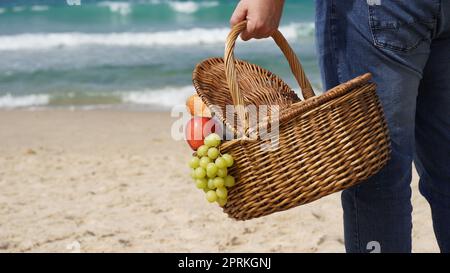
[
  {"x": 39, "y": 8},
  {"x": 189, "y": 37},
  {"x": 188, "y": 7},
  {"x": 8, "y": 101},
  {"x": 191, "y": 6},
  {"x": 122, "y": 8},
  {"x": 165, "y": 97},
  {"x": 33, "y": 8},
  {"x": 18, "y": 9}
]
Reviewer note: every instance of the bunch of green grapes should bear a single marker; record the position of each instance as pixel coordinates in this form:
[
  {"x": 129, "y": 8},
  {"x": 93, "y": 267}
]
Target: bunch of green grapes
[{"x": 210, "y": 170}]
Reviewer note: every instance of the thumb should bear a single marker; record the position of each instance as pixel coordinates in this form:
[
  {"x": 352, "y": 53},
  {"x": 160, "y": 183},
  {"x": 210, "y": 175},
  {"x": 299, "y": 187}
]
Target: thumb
[{"x": 239, "y": 14}]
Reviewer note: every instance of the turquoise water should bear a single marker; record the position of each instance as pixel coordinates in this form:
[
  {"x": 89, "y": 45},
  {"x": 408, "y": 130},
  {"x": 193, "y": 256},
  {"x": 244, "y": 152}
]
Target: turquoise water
[{"x": 128, "y": 53}]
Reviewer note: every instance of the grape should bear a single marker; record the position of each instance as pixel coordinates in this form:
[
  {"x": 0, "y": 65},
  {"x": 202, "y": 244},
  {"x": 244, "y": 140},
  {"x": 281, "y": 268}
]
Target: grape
[
  {"x": 194, "y": 162},
  {"x": 228, "y": 159},
  {"x": 211, "y": 170},
  {"x": 202, "y": 150},
  {"x": 200, "y": 172},
  {"x": 211, "y": 196},
  {"x": 221, "y": 201},
  {"x": 211, "y": 184},
  {"x": 219, "y": 182},
  {"x": 201, "y": 183},
  {"x": 212, "y": 140},
  {"x": 221, "y": 163},
  {"x": 229, "y": 181},
  {"x": 204, "y": 161},
  {"x": 213, "y": 153},
  {"x": 222, "y": 172},
  {"x": 222, "y": 192}
]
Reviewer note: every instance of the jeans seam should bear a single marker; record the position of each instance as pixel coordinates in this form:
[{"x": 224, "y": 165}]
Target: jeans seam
[
  {"x": 437, "y": 18},
  {"x": 357, "y": 241},
  {"x": 333, "y": 39}
]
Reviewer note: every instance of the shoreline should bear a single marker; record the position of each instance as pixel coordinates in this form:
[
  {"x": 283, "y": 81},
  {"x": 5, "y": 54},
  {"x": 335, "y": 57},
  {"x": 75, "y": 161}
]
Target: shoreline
[
  {"x": 93, "y": 108},
  {"x": 115, "y": 181}
]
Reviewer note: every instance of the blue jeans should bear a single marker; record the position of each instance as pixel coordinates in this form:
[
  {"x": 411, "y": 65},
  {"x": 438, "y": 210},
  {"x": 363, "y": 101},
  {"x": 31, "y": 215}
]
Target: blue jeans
[{"x": 406, "y": 47}]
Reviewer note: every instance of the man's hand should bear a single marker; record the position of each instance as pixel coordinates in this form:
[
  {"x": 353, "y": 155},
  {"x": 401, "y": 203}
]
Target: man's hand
[{"x": 263, "y": 17}]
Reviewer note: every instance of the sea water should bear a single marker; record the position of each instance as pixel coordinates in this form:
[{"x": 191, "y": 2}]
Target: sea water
[{"x": 135, "y": 54}]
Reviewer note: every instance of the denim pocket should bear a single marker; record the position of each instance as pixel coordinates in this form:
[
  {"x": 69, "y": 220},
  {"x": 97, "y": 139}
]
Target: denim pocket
[{"x": 402, "y": 25}]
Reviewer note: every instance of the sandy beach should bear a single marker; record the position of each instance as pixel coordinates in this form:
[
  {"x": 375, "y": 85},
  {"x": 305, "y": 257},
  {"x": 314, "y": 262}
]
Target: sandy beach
[{"x": 115, "y": 181}]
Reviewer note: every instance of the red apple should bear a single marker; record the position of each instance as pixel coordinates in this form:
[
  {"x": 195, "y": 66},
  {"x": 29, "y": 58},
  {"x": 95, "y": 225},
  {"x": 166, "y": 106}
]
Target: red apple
[{"x": 197, "y": 129}]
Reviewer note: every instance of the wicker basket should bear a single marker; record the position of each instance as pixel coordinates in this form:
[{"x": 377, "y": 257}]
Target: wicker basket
[{"x": 326, "y": 143}]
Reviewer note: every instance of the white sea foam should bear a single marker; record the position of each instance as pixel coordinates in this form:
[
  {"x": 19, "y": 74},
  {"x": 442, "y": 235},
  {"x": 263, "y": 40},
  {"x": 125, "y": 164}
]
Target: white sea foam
[
  {"x": 195, "y": 36},
  {"x": 184, "y": 7},
  {"x": 9, "y": 101},
  {"x": 122, "y": 8},
  {"x": 165, "y": 97},
  {"x": 18, "y": 9},
  {"x": 39, "y": 8},
  {"x": 190, "y": 6},
  {"x": 297, "y": 30},
  {"x": 152, "y": 2}
]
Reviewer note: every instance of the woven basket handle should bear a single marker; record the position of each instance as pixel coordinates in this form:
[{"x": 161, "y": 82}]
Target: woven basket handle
[{"x": 294, "y": 63}]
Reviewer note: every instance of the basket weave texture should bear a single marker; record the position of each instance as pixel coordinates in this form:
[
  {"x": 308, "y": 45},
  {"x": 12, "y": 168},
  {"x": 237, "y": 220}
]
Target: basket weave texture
[{"x": 326, "y": 143}]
